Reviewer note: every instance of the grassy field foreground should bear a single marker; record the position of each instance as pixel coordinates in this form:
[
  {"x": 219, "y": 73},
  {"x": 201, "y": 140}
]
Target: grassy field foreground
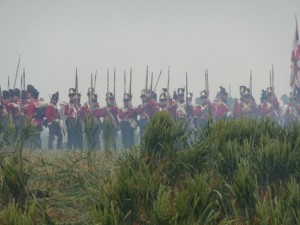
[{"x": 233, "y": 172}]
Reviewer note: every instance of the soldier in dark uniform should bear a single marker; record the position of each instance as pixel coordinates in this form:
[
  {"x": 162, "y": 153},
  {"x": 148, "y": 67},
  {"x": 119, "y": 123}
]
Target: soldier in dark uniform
[
  {"x": 53, "y": 122},
  {"x": 128, "y": 124},
  {"x": 111, "y": 121}
]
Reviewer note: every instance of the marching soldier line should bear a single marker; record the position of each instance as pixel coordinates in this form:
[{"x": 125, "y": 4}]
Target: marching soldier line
[{"x": 83, "y": 124}]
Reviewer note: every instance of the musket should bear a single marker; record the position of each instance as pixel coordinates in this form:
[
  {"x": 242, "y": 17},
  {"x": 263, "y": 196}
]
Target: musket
[
  {"x": 168, "y": 87},
  {"x": 157, "y": 80},
  {"x": 24, "y": 79},
  {"x": 250, "y": 85},
  {"x": 270, "y": 78},
  {"x": 17, "y": 71},
  {"x": 146, "y": 82},
  {"x": 8, "y": 83},
  {"x": 21, "y": 88},
  {"x": 124, "y": 81},
  {"x": 151, "y": 84},
  {"x": 1, "y": 98},
  {"x": 115, "y": 83},
  {"x": 91, "y": 90},
  {"x": 130, "y": 80},
  {"x": 95, "y": 81},
  {"x": 76, "y": 82},
  {"x": 206, "y": 81},
  {"x": 107, "y": 83},
  {"x": 229, "y": 95},
  {"x": 273, "y": 78},
  {"x": 186, "y": 88}
]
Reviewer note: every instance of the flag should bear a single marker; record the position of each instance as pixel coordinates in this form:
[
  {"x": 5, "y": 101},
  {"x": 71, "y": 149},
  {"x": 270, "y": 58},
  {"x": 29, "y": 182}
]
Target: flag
[{"x": 295, "y": 61}]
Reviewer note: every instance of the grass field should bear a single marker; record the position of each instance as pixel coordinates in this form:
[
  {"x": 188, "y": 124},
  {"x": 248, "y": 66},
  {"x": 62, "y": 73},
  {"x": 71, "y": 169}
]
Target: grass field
[{"x": 233, "y": 172}]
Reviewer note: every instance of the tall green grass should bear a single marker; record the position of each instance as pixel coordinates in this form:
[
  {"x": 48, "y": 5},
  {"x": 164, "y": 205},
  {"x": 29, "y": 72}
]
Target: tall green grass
[{"x": 232, "y": 172}]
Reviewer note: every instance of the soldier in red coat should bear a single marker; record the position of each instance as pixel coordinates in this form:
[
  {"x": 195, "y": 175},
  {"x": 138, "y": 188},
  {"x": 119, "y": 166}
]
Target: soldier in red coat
[
  {"x": 128, "y": 125},
  {"x": 6, "y": 119},
  {"x": 292, "y": 112},
  {"x": 166, "y": 103},
  {"x": 70, "y": 116},
  {"x": 245, "y": 106},
  {"x": 111, "y": 122},
  {"x": 269, "y": 108},
  {"x": 220, "y": 107},
  {"x": 53, "y": 121},
  {"x": 91, "y": 116},
  {"x": 34, "y": 115},
  {"x": 146, "y": 110},
  {"x": 204, "y": 110},
  {"x": 74, "y": 121}
]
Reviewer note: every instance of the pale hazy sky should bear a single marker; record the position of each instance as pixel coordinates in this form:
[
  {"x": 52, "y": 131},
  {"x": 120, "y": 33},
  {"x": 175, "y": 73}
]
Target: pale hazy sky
[{"x": 227, "y": 37}]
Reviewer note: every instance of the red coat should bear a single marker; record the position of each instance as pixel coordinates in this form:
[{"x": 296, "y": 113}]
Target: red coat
[
  {"x": 72, "y": 111},
  {"x": 270, "y": 109},
  {"x": 220, "y": 109},
  {"x": 148, "y": 109},
  {"x": 51, "y": 113},
  {"x": 127, "y": 113},
  {"x": 30, "y": 113},
  {"x": 86, "y": 110},
  {"x": 292, "y": 112},
  {"x": 111, "y": 113}
]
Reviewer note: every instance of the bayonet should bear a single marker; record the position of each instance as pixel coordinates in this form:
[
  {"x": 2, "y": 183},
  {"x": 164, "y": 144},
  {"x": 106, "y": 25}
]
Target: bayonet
[
  {"x": 8, "y": 83},
  {"x": 168, "y": 87},
  {"x": 130, "y": 80},
  {"x": 270, "y": 78},
  {"x": 17, "y": 71},
  {"x": 124, "y": 81},
  {"x": 146, "y": 82},
  {"x": 115, "y": 83},
  {"x": 151, "y": 84},
  {"x": 157, "y": 80},
  {"x": 1, "y": 95},
  {"x": 206, "y": 81},
  {"x": 76, "y": 82},
  {"x": 91, "y": 90},
  {"x": 95, "y": 81},
  {"x": 107, "y": 83},
  {"x": 24, "y": 79},
  {"x": 273, "y": 78},
  {"x": 250, "y": 86},
  {"x": 186, "y": 87},
  {"x": 21, "y": 88}
]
